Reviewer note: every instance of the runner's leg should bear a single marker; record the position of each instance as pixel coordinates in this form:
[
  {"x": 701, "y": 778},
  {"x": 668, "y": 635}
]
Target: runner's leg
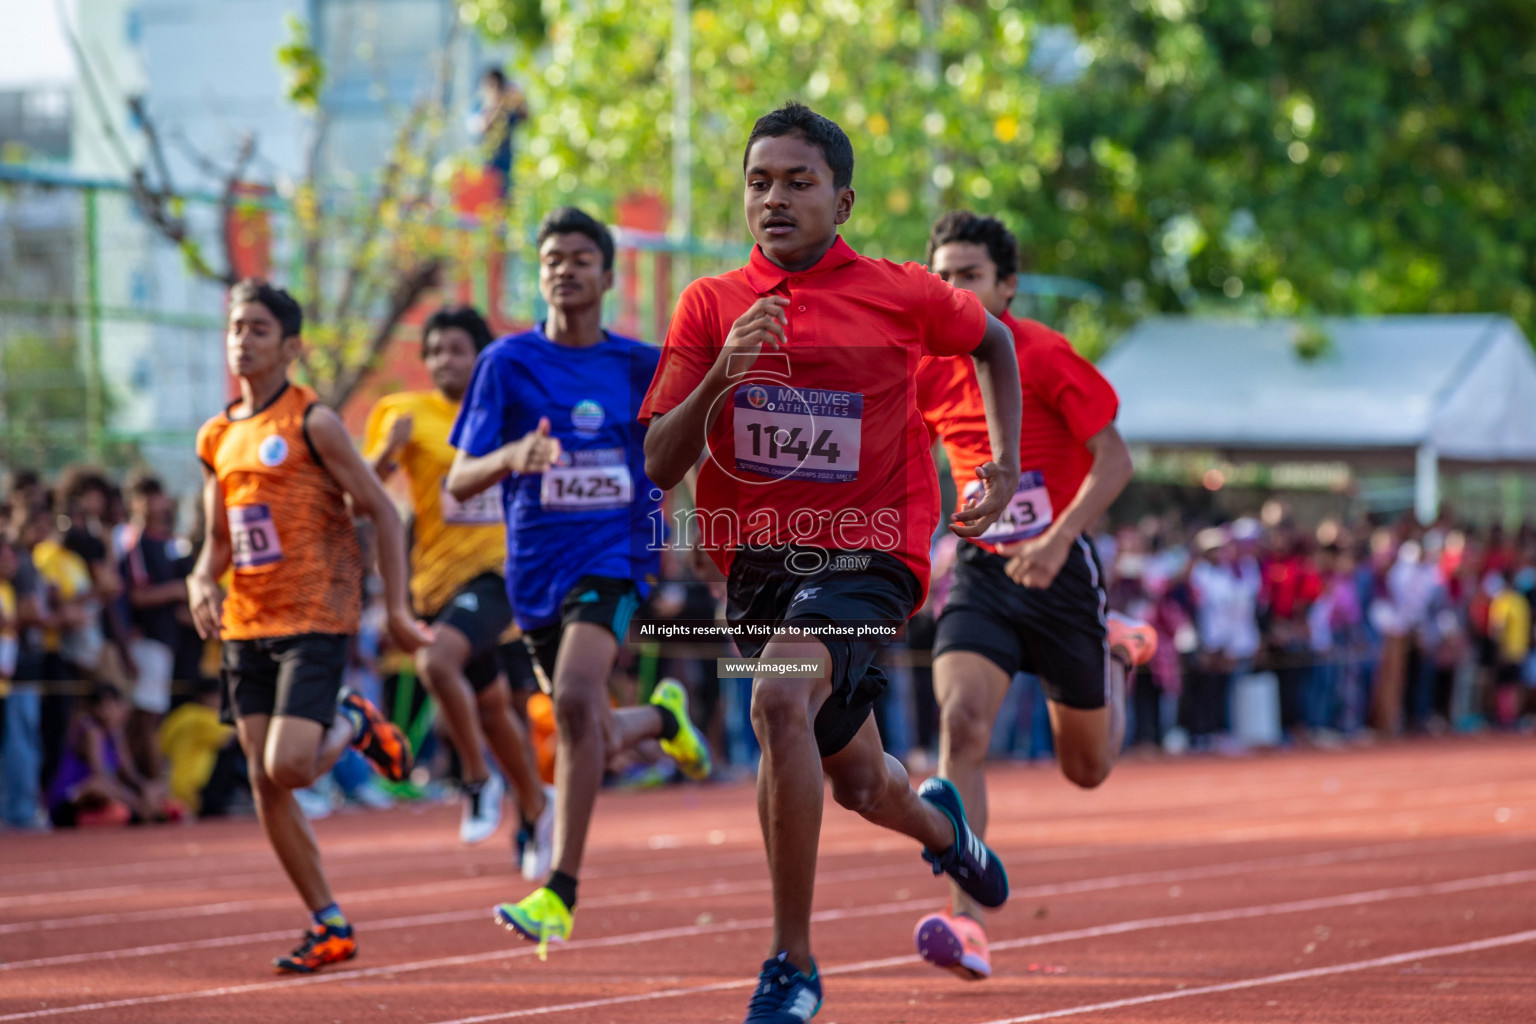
[
  {"x": 1088, "y": 741},
  {"x": 790, "y": 791},
  {"x": 299, "y": 750},
  {"x": 441, "y": 665},
  {"x": 867, "y": 780},
  {"x": 284, "y": 823},
  {"x": 627, "y": 728},
  {"x": 970, "y": 689},
  {"x": 511, "y": 746},
  {"x": 587, "y": 652}
]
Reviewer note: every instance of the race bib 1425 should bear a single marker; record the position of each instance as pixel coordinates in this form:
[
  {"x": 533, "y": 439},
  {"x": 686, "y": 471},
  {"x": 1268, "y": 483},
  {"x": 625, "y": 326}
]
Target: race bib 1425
[{"x": 594, "y": 480}]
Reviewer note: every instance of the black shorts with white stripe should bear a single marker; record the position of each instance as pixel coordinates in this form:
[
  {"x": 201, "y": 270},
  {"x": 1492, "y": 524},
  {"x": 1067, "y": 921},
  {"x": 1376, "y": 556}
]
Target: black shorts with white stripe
[{"x": 1057, "y": 633}]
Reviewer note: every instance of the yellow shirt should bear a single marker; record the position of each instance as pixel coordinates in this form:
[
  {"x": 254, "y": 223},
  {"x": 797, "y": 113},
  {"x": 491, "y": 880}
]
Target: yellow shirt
[
  {"x": 191, "y": 738},
  {"x": 1510, "y": 617},
  {"x": 454, "y": 541},
  {"x": 8, "y": 642},
  {"x": 66, "y": 571}
]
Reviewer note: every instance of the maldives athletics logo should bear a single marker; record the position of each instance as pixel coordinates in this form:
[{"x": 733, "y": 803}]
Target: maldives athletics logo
[
  {"x": 586, "y": 415},
  {"x": 273, "y": 451},
  {"x": 757, "y": 396}
]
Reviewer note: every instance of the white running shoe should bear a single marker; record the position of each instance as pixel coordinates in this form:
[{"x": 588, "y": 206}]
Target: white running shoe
[
  {"x": 539, "y": 851},
  {"x": 482, "y": 812}
]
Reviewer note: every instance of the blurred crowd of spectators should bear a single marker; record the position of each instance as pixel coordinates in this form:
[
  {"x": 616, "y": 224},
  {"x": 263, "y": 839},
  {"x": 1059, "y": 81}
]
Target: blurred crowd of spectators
[
  {"x": 93, "y": 630},
  {"x": 109, "y": 702},
  {"x": 1367, "y": 628}
]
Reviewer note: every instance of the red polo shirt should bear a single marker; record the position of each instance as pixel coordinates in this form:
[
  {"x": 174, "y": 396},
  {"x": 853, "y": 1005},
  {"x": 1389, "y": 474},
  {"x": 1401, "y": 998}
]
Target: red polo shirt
[
  {"x": 820, "y": 443},
  {"x": 1066, "y": 402}
]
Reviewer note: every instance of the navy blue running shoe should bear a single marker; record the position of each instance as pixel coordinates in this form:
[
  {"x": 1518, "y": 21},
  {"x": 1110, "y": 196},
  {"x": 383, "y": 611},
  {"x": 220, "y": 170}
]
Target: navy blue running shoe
[
  {"x": 970, "y": 862},
  {"x": 783, "y": 994}
]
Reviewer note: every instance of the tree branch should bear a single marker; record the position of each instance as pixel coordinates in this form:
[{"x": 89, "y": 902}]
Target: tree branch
[
  {"x": 227, "y": 201},
  {"x": 310, "y": 229},
  {"x": 412, "y": 285}
]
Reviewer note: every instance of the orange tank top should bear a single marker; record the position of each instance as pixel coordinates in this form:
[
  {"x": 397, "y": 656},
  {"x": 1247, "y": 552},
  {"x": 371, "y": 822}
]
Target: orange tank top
[{"x": 298, "y": 567}]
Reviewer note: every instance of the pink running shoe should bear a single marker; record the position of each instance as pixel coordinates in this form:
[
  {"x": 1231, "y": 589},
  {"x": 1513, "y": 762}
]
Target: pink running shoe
[
  {"x": 956, "y": 942},
  {"x": 1135, "y": 638}
]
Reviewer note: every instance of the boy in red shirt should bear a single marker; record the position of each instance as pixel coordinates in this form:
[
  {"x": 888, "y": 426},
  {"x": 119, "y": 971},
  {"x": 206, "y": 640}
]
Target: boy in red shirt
[
  {"x": 794, "y": 376},
  {"x": 1029, "y": 591}
]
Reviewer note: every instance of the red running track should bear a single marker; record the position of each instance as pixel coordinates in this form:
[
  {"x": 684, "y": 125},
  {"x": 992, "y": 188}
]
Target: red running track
[{"x": 1390, "y": 884}]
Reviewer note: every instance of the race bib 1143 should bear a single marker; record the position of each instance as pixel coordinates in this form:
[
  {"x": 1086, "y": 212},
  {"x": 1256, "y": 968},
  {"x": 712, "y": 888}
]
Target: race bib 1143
[
  {"x": 253, "y": 536},
  {"x": 810, "y": 434},
  {"x": 1028, "y": 513}
]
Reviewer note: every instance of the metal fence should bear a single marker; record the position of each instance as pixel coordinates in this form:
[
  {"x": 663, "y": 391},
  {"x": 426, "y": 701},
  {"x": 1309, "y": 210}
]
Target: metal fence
[{"x": 111, "y": 346}]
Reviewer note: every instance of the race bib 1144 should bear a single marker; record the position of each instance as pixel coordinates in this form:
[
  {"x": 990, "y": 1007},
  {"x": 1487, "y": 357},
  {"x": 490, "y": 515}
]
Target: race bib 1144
[
  {"x": 253, "y": 537},
  {"x": 810, "y": 434},
  {"x": 1028, "y": 513}
]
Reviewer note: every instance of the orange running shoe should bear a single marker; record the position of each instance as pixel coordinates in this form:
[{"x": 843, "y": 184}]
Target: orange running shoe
[
  {"x": 380, "y": 740},
  {"x": 955, "y": 942},
  {"x": 1131, "y": 639},
  {"x": 321, "y": 945}
]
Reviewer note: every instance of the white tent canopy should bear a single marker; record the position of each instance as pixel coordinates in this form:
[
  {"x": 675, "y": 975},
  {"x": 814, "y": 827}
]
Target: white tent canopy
[{"x": 1441, "y": 387}]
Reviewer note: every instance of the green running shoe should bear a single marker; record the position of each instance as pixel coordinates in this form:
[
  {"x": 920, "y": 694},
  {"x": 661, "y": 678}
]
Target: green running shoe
[
  {"x": 688, "y": 748},
  {"x": 540, "y": 917}
]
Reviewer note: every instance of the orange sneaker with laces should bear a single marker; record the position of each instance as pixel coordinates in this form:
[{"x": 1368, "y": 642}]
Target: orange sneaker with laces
[
  {"x": 1131, "y": 639},
  {"x": 321, "y": 945}
]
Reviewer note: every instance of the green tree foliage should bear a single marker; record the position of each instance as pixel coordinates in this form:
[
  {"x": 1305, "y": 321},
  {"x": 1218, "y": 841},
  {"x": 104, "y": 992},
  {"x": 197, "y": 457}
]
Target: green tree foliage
[
  {"x": 1267, "y": 156},
  {"x": 43, "y": 416}
]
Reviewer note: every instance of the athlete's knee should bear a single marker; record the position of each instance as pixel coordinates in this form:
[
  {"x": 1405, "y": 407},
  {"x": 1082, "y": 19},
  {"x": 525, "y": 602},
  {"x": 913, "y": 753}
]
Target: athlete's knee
[
  {"x": 778, "y": 710},
  {"x": 288, "y": 774},
  {"x": 436, "y": 665},
  {"x": 261, "y": 783},
  {"x": 861, "y": 794},
  {"x": 1085, "y": 770},
  {"x": 966, "y": 731},
  {"x": 578, "y": 714},
  {"x": 860, "y": 798}
]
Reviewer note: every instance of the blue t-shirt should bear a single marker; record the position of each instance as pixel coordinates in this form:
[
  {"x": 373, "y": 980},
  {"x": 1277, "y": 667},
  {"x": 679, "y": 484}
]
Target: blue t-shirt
[{"x": 595, "y": 512}]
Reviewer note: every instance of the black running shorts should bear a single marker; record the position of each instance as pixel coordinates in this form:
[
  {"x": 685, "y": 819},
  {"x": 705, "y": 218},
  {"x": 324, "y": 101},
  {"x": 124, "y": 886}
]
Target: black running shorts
[
  {"x": 604, "y": 600},
  {"x": 775, "y": 586},
  {"x": 481, "y": 611},
  {"x": 298, "y": 676},
  {"x": 1057, "y": 633},
  {"x": 516, "y": 663}
]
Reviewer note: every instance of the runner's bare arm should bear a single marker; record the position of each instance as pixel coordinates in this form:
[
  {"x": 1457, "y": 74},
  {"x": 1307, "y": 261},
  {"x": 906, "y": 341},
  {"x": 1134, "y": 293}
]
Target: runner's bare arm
[
  {"x": 534, "y": 452},
  {"x": 674, "y": 440},
  {"x": 204, "y": 594},
  {"x": 396, "y": 439},
  {"x": 997, "y": 372},
  {"x": 329, "y": 436},
  {"x": 1035, "y": 562}
]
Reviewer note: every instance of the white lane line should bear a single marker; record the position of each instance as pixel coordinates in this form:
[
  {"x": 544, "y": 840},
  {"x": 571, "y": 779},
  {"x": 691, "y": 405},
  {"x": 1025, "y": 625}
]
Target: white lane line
[
  {"x": 517, "y": 952},
  {"x": 662, "y": 866},
  {"x": 1512, "y": 939},
  {"x": 18, "y": 877},
  {"x": 1273, "y": 979},
  {"x": 444, "y": 917},
  {"x": 1100, "y": 884},
  {"x": 471, "y": 884},
  {"x": 851, "y": 913},
  {"x": 1351, "y": 899}
]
